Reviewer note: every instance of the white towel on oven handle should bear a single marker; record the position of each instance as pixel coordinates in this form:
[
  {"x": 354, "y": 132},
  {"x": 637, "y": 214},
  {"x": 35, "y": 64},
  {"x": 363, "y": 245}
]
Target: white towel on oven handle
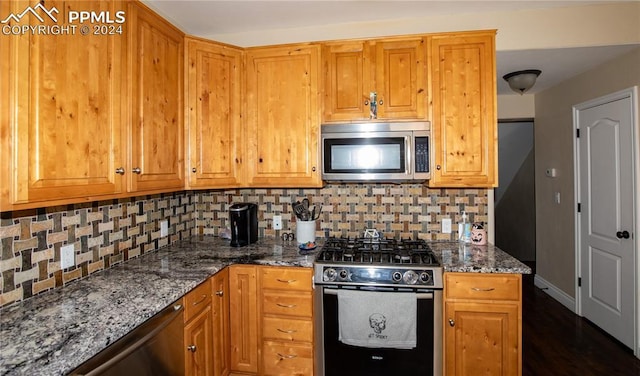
[{"x": 377, "y": 319}]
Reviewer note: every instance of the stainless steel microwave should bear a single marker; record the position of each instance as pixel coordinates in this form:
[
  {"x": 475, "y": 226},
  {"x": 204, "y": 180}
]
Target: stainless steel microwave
[{"x": 386, "y": 152}]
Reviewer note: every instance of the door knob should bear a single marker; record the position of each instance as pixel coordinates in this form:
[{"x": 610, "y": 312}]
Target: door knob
[{"x": 622, "y": 234}]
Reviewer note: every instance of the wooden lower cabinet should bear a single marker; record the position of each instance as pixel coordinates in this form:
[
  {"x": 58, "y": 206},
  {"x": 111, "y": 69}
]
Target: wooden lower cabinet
[
  {"x": 198, "y": 334},
  {"x": 483, "y": 324},
  {"x": 220, "y": 313},
  {"x": 244, "y": 324}
]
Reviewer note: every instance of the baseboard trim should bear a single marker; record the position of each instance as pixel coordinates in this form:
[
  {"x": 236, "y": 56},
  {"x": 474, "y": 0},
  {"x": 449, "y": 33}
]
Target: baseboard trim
[{"x": 555, "y": 293}]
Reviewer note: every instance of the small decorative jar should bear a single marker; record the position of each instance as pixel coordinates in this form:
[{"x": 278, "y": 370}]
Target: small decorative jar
[{"x": 478, "y": 234}]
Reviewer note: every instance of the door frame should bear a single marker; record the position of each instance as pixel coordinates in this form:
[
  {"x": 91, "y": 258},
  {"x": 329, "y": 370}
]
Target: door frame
[{"x": 631, "y": 93}]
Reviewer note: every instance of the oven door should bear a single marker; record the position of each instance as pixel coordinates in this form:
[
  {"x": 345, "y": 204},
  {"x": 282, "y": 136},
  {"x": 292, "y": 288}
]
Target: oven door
[{"x": 338, "y": 358}]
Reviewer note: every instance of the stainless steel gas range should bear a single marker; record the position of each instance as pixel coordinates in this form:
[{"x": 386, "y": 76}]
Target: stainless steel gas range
[{"x": 379, "y": 307}]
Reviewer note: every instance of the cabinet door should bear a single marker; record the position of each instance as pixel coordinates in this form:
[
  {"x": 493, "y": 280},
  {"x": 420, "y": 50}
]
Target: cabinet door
[
  {"x": 64, "y": 132},
  {"x": 463, "y": 130},
  {"x": 213, "y": 97},
  {"x": 244, "y": 326},
  {"x": 156, "y": 66},
  {"x": 198, "y": 342},
  {"x": 348, "y": 81},
  {"x": 220, "y": 309},
  {"x": 401, "y": 79},
  {"x": 283, "y": 117},
  {"x": 482, "y": 339}
]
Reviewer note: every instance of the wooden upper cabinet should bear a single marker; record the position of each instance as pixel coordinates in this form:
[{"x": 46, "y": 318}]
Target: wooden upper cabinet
[
  {"x": 213, "y": 100},
  {"x": 156, "y": 88},
  {"x": 63, "y": 135},
  {"x": 464, "y": 126},
  {"x": 282, "y": 122},
  {"x": 395, "y": 70}
]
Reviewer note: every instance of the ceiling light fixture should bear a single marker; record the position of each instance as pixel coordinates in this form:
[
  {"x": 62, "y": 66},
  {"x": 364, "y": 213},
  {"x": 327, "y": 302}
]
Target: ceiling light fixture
[{"x": 523, "y": 80}]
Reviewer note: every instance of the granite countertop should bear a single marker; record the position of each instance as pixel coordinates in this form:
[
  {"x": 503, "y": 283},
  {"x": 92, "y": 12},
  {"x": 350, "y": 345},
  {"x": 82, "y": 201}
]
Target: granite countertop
[{"x": 52, "y": 333}]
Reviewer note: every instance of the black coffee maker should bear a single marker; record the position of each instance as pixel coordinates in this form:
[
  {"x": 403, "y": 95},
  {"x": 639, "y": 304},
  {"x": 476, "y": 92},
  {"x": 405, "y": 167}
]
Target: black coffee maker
[{"x": 244, "y": 224}]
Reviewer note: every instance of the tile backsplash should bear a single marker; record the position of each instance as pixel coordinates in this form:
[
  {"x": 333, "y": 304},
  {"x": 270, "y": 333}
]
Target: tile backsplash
[{"x": 109, "y": 232}]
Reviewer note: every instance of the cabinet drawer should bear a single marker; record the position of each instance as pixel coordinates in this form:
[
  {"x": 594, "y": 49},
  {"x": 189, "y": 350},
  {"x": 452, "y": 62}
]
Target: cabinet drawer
[
  {"x": 482, "y": 286},
  {"x": 197, "y": 299},
  {"x": 290, "y": 304},
  {"x": 294, "y": 279},
  {"x": 287, "y": 329},
  {"x": 287, "y": 358}
]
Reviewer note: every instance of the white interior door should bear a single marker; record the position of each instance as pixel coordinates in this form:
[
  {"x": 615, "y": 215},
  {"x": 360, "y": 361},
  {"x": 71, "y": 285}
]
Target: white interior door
[{"x": 606, "y": 186}]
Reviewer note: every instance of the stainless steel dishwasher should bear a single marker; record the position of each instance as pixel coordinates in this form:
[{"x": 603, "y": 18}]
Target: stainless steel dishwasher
[{"x": 154, "y": 348}]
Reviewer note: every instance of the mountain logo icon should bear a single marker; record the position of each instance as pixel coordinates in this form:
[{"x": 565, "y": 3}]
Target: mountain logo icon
[{"x": 34, "y": 11}]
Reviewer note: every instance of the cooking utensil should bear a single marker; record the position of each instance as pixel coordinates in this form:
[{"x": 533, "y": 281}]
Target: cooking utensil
[
  {"x": 299, "y": 209},
  {"x": 315, "y": 215}
]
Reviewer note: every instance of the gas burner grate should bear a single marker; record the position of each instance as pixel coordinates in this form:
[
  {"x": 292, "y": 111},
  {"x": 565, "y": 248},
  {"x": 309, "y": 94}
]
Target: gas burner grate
[{"x": 383, "y": 251}]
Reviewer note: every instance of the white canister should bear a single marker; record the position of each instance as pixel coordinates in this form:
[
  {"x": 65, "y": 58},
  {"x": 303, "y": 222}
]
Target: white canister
[{"x": 305, "y": 231}]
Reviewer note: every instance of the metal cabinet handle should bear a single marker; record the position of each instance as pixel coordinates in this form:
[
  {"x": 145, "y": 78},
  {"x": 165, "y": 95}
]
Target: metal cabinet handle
[
  {"x": 286, "y": 331},
  {"x": 380, "y": 102},
  {"x": 438, "y": 167},
  {"x": 286, "y": 305},
  {"x": 194, "y": 170},
  {"x": 204, "y": 297},
  {"x": 313, "y": 169},
  {"x": 219, "y": 293},
  {"x": 287, "y": 280},
  {"x": 136, "y": 170},
  {"x": 451, "y": 322},
  {"x": 481, "y": 289},
  {"x": 366, "y": 102},
  {"x": 120, "y": 171},
  {"x": 283, "y": 357},
  {"x": 192, "y": 348}
]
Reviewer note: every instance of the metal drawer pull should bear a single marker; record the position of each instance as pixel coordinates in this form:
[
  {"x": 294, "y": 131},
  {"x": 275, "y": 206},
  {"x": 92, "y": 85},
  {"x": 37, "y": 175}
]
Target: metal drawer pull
[
  {"x": 287, "y": 280},
  {"x": 204, "y": 297},
  {"x": 219, "y": 293},
  {"x": 287, "y": 331},
  {"x": 283, "y": 357},
  {"x": 120, "y": 171},
  {"x": 286, "y": 305},
  {"x": 480, "y": 289},
  {"x": 192, "y": 348},
  {"x": 136, "y": 170}
]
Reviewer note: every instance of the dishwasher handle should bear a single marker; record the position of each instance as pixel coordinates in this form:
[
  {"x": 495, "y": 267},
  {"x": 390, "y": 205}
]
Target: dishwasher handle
[{"x": 156, "y": 323}]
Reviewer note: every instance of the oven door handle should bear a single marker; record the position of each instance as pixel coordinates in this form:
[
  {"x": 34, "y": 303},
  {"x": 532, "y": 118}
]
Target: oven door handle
[{"x": 420, "y": 295}]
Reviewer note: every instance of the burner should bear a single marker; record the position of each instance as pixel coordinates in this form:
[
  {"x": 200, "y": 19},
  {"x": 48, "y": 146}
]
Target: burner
[{"x": 383, "y": 251}]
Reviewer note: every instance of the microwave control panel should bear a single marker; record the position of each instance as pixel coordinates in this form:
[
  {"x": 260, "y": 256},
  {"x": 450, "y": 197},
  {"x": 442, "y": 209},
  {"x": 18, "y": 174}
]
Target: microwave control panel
[{"x": 422, "y": 154}]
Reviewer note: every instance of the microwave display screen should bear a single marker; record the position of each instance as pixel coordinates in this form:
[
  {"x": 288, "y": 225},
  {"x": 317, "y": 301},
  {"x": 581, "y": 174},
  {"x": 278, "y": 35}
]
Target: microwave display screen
[{"x": 365, "y": 155}]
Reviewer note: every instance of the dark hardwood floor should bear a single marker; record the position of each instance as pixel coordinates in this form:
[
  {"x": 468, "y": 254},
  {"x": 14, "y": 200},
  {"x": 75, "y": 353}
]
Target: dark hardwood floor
[{"x": 557, "y": 342}]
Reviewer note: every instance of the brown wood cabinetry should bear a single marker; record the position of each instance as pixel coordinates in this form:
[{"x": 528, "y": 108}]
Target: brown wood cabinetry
[
  {"x": 62, "y": 127},
  {"x": 198, "y": 331},
  {"x": 464, "y": 126},
  {"x": 220, "y": 311},
  {"x": 394, "y": 69},
  {"x": 213, "y": 88},
  {"x": 282, "y": 117},
  {"x": 244, "y": 325},
  {"x": 156, "y": 60},
  {"x": 483, "y": 324}
]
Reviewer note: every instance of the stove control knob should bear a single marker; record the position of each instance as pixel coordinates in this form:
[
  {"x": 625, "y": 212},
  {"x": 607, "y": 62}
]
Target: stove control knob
[
  {"x": 425, "y": 277},
  {"x": 397, "y": 277},
  {"x": 343, "y": 274},
  {"x": 329, "y": 275},
  {"x": 410, "y": 277}
]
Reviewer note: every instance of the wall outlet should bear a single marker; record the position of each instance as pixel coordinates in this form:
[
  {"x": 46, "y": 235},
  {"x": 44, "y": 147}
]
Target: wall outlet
[
  {"x": 67, "y": 256},
  {"x": 164, "y": 228},
  {"x": 446, "y": 225},
  {"x": 277, "y": 222}
]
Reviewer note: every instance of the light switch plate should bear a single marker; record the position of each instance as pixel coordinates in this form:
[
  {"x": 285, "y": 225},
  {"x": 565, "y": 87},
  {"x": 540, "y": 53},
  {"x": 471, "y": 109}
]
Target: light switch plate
[
  {"x": 446, "y": 225},
  {"x": 67, "y": 256},
  {"x": 164, "y": 228},
  {"x": 277, "y": 222}
]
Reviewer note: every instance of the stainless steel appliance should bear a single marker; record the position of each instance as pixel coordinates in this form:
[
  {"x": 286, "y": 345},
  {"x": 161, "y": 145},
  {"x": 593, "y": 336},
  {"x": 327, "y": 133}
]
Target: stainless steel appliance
[
  {"x": 375, "y": 151},
  {"x": 155, "y": 348},
  {"x": 244, "y": 224},
  {"x": 378, "y": 264}
]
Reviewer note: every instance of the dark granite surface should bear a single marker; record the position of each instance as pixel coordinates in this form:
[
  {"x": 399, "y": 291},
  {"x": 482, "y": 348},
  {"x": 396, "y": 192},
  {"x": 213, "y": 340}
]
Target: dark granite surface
[{"x": 53, "y": 333}]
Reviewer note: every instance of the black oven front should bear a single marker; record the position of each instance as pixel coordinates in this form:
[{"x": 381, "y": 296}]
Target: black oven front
[{"x": 336, "y": 358}]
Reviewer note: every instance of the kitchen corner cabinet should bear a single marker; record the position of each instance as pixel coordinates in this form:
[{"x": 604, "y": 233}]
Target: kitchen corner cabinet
[
  {"x": 244, "y": 325},
  {"x": 63, "y": 134},
  {"x": 156, "y": 60},
  {"x": 220, "y": 311},
  {"x": 395, "y": 70},
  {"x": 464, "y": 125},
  {"x": 198, "y": 331},
  {"x": 213, "y": 89},
  {"x": 483, "y": 324},
  {"x": 283, "y": 117}
]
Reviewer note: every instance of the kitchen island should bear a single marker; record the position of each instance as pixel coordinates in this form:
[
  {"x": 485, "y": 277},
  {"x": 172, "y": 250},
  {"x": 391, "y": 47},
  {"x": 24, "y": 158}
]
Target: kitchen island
[{"x": 52, "y": 333}]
